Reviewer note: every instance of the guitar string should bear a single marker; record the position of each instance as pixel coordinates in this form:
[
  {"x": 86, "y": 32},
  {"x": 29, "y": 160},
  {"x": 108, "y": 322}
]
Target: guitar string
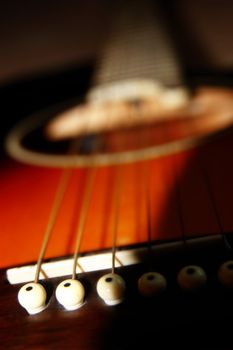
[
  {"x": 145, "y": 135},
  {"x": 58, "y": 199},
  {"x": 178, "y": 201},
  {"x": 83, "y": 216},
  {"x": 212, "y": 198},
  {"x": 63, "y": 183},
  {"x": 146, "y": 191},
  {"x": 59, "y": 196},
  {"x": 211, "y": 195},
  {"x": 57, "y": 202},
  {"x": 116, "y": 207},
  {"x": 148, "y": 210},
  {"x": 84, "y": 211}
]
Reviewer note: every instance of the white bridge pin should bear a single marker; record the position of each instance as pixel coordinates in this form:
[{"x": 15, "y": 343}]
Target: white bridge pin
[
  {"x": 111, "y": 288},
  {"x": 225, "y": 274},
  {"x": 32, "y": 296},
  {"x": 70, "y": 293},
  {"x": 192, "y": 278},
  {"x": 151, "y": 283}
]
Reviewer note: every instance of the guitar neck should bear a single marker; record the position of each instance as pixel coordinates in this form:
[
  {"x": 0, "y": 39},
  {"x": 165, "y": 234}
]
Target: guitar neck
[{"x": 139, "y": 46}]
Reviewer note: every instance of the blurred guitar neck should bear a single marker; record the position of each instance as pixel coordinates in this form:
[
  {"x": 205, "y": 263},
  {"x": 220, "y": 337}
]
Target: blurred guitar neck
[{"x": 139, "y": 46}]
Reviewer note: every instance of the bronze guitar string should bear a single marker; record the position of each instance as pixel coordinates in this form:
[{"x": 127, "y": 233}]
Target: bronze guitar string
[
  {"x": 61, "y": 189},
  {"x": 83, "y": 216},
  {"x": 116, "y": 202}
]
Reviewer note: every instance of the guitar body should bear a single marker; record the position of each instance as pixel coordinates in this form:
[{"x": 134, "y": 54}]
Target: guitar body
[
  {"x": 190, "y": 197},
  {"x": 183, "y": 199}
]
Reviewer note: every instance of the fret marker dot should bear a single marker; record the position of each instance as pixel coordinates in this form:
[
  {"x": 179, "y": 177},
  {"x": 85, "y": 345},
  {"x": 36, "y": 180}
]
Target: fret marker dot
[
  {"x": 32, "y": 296},
  {"x": 70, "y": 293},
  {"x": 111, "y": 288},
  {"x": 151, "y": 283}
]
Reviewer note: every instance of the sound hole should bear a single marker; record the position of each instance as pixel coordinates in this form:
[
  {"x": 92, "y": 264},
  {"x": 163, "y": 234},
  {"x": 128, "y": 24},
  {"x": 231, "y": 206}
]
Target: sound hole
[
  {"x": 29, "y": 288},
  {"x": 127, "y": 142},
  {"x": 121, "y": 139}
]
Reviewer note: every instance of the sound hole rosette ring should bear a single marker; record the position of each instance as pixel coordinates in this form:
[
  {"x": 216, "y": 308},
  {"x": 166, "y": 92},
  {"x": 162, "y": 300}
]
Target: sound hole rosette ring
[{"x": 16, "y": 149}]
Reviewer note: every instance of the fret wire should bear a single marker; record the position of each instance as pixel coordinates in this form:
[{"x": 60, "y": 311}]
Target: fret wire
[
  {"x": 116, "y": 198},
  {"x": 83, "y": 217},
  {"x": 139, "y": 31},
  {"x": 61, "y": 189}
]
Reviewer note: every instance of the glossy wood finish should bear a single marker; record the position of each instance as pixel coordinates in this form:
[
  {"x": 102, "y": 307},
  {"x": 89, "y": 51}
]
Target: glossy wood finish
[
  {"x": 181, "y": 205},
  {"x": 186, "y": 190},
  {"x": 190, "y": 195}
]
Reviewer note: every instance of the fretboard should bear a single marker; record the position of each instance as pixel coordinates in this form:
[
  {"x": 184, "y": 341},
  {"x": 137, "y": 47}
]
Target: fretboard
[{"x": 138, "y": 46}]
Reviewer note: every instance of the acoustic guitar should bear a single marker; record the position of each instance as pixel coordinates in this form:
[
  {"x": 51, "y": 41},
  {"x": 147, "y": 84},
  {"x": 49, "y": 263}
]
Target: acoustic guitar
[{"x": 116, "y": 215}]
